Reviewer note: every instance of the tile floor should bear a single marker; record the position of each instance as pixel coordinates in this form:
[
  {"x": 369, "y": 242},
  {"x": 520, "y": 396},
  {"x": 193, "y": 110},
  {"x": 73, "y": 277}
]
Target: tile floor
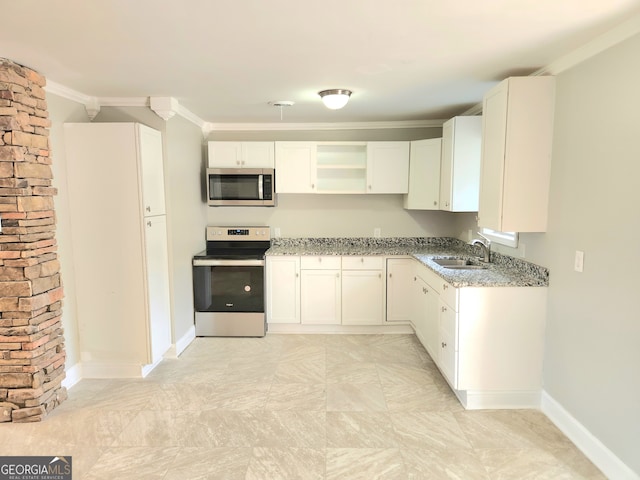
[{"x": 294, "y": 407}]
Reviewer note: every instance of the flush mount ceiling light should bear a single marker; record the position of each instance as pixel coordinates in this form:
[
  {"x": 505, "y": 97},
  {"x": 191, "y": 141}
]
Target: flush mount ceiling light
[{"x": 335, "y": 98}]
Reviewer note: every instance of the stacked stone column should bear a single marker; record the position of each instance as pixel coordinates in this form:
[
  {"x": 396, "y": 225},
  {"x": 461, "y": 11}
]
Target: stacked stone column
[{"x": 32, "y": 354}]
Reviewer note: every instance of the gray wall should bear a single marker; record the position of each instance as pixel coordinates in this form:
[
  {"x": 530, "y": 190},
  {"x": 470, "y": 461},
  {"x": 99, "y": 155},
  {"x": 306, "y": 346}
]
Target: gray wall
[{"x": 592, "y": 358}]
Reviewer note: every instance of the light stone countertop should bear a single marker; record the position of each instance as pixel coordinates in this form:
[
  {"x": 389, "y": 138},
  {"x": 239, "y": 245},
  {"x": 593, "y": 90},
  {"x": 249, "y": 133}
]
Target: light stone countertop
[{"x": 503, "y": 271}]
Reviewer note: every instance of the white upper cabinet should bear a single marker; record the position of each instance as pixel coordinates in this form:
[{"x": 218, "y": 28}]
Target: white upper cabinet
[
  {"x": 516, "y": 154},
  {"x": 424, "y": 175},
  {"x": 296, "y": 167},
  {"x": 460, "y": 168},
  {"x": 241, "y": 154},
  {"x": 387, "y": 167},
  {"x": 152, "y": 176}
]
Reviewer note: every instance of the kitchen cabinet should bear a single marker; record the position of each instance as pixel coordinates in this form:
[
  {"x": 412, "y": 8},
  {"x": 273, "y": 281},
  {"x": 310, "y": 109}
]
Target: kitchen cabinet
[
  {"x": 424, "y": 175},
  {"x": 320, "y": 290},
  {"x": 400, "y": 274},
  {"x": 460, "y": 167},
  {"x": 516, "y": 154},
  {"x": 341, "y": 167},
  {"x": 120, "y": 256},
  {"x": 363, "y": 290},
  {"x": 387, "y": 167},
  {"x": 241, "y": 154},
  {"x": 295, "y": 167},
  {"x": 448, "y": 342},
  {"x": 426, "y": 310},
  {"x": 283, "y": 289}
]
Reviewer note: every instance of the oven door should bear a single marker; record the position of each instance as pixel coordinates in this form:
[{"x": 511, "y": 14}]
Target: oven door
[{"x": 229, "y": 297}]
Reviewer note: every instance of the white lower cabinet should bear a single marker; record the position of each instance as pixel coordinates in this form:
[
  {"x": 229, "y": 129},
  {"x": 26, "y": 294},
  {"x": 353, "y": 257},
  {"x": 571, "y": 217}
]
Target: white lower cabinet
[
  {"x": 320, "y": 290},
  {"x": 363, "y": 289},
  {"x": 486, "y": 341},
  {"x": 400, "y": 275},
  {"x": 283, "y": 289}
]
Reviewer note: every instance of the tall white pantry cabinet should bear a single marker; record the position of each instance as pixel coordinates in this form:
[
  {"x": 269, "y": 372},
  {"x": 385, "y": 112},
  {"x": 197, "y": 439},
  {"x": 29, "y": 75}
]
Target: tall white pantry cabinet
[{"x": 119, "y": 234}]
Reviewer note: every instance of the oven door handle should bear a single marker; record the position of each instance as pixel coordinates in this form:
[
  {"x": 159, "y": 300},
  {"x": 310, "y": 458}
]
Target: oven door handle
[{"x": 227, "y": 263}]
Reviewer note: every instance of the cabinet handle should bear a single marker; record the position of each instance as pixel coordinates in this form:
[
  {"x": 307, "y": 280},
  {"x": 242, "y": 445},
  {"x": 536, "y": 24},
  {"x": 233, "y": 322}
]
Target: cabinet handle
[
  {"x": 391, "y": 274},
  {"x": 424, "y": 290},
  {"x": 313, "y": 185},
  {"x": 444, "y": 309},
  {"x": 369, "y": 187},
  {"x": 297, "y": 274},
  {"x": 379, "y": 275},
  {"x": 445, "y": 286},
  {"x": 149, "y": 223},
  {"x": 415, "y": 279},
  {"x": 443, "y": 344},
  {"x": 320, "y": 259},
  {"x": 337, "y": 275},
  {"x": 435, "y": 203},
  {"x": 238, "y": 162},
  {"x": 149, "y": 209},
  {"x": 362, "y": 260}
]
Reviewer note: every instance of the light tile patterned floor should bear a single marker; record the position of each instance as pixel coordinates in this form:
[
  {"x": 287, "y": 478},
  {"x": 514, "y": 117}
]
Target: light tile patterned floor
[{"x": 294, "y": 407}]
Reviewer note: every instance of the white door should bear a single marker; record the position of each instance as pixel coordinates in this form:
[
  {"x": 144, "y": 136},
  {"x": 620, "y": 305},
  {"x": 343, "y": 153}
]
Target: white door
[
  {"x": 152, "y": 170},
  {"x": 224, "y": 154},
  {"x": 283, "y": 289},
  {"x": 424, "y": 175},
  {"x": 387, "y": 167},
  {"x": 157, "y": 266},
  {"x": 362, "y": 297},
  {"x": 295, "y": 167},
  {"x": 320, "y": 298},
  {"x": 258, "y": 155},
  {"x": 400, "y": 275}
]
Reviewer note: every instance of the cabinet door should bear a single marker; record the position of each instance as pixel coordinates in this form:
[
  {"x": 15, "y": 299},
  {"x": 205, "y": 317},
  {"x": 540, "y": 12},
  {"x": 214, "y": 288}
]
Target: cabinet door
[
  {"x": 362, "y": 297},
  {"x": 295, "y": 167},
  {"x": 150, "y": 145},
  {"x": 400, "y": 285},
  {"x": 258, "y": 155},
  {"x": 320, "y": 297},
  {"x": 494, "y": 126},
  {"x": 283, "y": 289},
  {"x": 387, "y": 167},
  {"x": 157, "y": 275},
  {"x": 448, "y": 354},
  {"x": 460, "y": 175},
  {"x": 225, "y": 154},
  {"x": 424, "y": 175}
]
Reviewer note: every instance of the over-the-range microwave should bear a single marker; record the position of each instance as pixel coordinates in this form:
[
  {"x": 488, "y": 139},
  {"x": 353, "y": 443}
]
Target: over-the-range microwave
[{"x": 241, "y": 187}]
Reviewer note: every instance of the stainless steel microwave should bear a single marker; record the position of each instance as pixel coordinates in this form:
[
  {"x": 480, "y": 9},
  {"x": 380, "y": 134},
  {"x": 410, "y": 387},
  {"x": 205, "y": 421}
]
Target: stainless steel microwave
[{"x": 241, "y": 187}]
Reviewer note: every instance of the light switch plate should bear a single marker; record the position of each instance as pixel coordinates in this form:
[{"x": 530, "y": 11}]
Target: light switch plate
[{"x": 578, "y": 264}]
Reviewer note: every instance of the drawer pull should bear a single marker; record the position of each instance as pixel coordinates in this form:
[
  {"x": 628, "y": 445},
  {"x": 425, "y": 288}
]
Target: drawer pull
[
  {"x": 443, "y": 345},
  {"x": 444, "y": 309},
  {"x": 445, "y": 286}
]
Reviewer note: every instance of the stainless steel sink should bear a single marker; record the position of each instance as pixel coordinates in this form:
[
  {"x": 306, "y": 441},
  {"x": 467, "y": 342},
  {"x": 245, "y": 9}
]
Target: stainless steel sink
[{"x": 455, "y": 263}]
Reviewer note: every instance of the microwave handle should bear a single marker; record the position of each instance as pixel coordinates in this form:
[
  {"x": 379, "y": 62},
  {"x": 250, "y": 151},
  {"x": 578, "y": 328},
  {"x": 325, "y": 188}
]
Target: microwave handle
[{"x": 260, "y": 187}]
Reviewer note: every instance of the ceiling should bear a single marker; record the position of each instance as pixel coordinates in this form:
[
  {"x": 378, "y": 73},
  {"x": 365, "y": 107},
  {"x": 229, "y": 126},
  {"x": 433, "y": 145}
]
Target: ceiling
[{"x": 225, "y": 60}]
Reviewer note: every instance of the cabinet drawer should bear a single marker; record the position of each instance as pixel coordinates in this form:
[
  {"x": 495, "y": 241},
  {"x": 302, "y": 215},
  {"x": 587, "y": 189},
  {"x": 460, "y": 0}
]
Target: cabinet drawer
[
  {"x": 362, "y": 263},
  {"x": 448, "y": 293},
  {"x": 321, "y": 262}
]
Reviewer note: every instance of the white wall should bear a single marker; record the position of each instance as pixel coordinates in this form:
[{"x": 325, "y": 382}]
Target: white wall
[
  {"x": 592, "y": 358},
  {"x": 61, "y": 111},
  {"x": 186, "y": 212}
]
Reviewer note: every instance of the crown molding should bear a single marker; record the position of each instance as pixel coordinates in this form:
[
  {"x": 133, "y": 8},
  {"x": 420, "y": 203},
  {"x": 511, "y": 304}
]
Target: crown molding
[
  {"x": 124, "y": 101},
  {"x": 210, "y": 127}
]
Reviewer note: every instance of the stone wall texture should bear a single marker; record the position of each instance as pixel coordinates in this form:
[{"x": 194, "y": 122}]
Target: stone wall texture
[{"x": 32, "y": 355}]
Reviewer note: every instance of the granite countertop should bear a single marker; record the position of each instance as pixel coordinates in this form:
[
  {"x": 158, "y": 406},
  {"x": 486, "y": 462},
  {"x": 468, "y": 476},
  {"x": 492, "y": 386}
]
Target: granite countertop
[{"x": 503, "y": 271}]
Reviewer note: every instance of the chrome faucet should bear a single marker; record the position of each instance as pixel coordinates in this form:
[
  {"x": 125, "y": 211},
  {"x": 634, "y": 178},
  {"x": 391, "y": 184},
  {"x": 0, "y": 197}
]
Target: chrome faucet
[{"x": 485, "y": 245}]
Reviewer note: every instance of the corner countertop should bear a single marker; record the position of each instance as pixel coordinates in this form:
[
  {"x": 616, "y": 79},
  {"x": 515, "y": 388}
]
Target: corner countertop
[{"x": 502, "y": 271}]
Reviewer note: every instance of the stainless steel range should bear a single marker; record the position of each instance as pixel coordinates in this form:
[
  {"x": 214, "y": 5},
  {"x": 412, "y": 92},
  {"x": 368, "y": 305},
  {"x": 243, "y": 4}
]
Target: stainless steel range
[{"x": 229, "y": 281}]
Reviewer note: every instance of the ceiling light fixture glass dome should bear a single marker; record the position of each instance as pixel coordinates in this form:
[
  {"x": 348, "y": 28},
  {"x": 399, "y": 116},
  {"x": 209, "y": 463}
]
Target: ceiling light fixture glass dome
[{"x": 336, "y": 98}]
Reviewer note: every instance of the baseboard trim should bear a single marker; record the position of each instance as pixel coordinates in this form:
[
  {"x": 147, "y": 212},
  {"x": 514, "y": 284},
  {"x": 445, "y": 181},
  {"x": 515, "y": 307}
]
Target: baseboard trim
[
  {"x": 297, "y": 328},
  {"x": 114, "y": 370},
  {"x": 484, "y": 400},
  {"x": 594, "y": 449},
  {"x": 181, "y": 345},
  {"x": 73, "y": 375}
]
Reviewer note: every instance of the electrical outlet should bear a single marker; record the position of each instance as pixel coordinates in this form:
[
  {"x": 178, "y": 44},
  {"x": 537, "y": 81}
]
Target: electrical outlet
[
  {"x": 376, "y": 232},
  {"x": 276, "y": 232},
  {"x": 578, "y": 264}
]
